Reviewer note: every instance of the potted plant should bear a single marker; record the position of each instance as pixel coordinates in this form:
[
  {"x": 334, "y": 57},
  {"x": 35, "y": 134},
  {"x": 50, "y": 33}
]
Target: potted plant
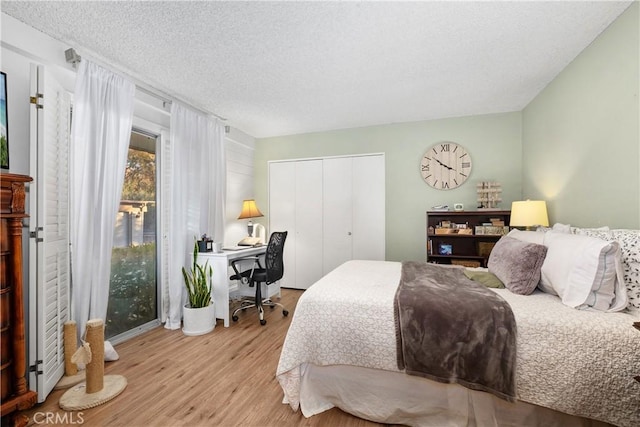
[{"x": 198, "y": 316}]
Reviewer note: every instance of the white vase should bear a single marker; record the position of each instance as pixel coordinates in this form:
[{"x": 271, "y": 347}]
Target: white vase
[{"x": 198, "y": 321}]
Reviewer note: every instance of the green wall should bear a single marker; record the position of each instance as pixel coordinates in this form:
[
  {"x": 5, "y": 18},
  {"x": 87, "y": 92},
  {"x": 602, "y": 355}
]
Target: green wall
[
  {"x": 576, "y": 145},
  {"x": 581, "y": 139},
  {"x": 492, "y": 140}
]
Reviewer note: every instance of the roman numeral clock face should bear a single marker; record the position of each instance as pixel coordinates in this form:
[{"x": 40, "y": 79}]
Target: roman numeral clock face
[{"x": 445, "y": 165}]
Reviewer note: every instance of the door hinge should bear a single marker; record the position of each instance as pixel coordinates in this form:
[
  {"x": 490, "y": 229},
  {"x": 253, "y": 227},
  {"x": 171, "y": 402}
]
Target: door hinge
[
  {"x": 34, "y": 368},
  {"x": 34, "y": 100},
  {"x": 34, "y": 235}
]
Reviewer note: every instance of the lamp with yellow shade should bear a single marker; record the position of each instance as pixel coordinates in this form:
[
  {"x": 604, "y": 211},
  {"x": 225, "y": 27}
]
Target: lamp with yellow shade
[
  {"x": 529, "y": 214},
  {"x": 250, "y": 210}
]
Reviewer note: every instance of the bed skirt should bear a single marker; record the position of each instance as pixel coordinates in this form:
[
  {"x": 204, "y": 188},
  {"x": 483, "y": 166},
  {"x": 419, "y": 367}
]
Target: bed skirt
[{"x": 396, "y": 398}]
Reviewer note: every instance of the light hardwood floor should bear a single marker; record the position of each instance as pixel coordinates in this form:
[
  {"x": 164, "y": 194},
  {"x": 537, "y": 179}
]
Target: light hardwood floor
[{"x": 224, "y": 378}]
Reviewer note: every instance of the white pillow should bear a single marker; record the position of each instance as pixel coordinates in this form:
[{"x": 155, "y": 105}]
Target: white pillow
[
  {"x": 584, "y": 272},
  {"x": 527, "y": 236},
  {"x": 110, "y": 353},
  {"x": 629, "y": 241},
  {"x": 561, "y": 228}
]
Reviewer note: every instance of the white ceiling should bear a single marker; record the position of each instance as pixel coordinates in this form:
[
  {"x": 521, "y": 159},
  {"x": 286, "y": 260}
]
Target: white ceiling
[{"x": 278, "y": 68}]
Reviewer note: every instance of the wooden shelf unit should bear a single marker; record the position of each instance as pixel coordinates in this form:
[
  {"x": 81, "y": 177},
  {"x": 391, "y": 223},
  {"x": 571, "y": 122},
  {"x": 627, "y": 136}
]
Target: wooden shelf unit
[{"x": 465, "y": 248}]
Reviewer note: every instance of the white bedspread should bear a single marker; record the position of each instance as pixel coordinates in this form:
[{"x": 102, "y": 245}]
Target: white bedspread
[{"x": 577, "y": 362}]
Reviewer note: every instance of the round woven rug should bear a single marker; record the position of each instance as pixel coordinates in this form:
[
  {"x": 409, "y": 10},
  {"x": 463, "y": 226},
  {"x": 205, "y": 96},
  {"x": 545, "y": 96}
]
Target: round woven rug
[
  {"x": 71, "y": 380},
  {"x": 77, "y": 398}
]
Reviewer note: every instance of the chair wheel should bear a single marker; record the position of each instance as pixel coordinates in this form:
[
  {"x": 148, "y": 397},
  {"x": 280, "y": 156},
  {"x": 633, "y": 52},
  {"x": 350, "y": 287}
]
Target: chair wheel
[
  {"x": 285, "y": 313},
  {"x": 234, "y": 318},
  {"x": 263, "y": 322}
]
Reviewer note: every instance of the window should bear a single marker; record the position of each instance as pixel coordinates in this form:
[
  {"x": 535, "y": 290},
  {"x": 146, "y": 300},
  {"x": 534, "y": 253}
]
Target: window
[{"x": 133, "y": 292}]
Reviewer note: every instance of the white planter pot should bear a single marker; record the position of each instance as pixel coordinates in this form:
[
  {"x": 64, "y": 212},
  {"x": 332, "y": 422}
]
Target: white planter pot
[{"x": 198, "y": 321}]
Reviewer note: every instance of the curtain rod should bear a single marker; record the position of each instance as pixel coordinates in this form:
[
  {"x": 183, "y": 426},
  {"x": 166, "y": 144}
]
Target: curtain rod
[{"x": 73, "y": 58}]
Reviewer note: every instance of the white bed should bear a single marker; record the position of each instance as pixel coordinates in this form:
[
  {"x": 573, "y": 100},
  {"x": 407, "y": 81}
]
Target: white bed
[{"x": 340, "y": 351}]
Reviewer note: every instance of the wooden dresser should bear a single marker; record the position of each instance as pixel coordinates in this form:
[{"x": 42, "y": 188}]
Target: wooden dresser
[{"x": 15, "y": 394}]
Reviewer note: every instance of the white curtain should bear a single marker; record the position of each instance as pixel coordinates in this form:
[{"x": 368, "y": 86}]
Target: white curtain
[
  {"x": 100, "y": 133},
  {"x": 197, "y": 196}
]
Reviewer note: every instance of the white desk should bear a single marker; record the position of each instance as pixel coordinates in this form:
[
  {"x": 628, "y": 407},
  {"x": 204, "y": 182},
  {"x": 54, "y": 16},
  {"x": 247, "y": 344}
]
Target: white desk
[{"x": 222, "y": 286}]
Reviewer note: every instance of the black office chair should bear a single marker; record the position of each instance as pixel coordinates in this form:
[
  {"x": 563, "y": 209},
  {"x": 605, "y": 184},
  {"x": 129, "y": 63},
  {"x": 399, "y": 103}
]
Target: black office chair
[{"x": 271, "y": 273}]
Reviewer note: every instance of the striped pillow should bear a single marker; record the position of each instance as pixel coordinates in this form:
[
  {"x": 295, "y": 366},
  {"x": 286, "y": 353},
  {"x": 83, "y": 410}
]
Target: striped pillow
[{"x": 584, "y": 271}]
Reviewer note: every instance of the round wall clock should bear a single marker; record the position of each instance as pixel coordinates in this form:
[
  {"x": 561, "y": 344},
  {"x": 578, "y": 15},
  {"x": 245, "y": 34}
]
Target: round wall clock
[{"x": 445, "y": 165}]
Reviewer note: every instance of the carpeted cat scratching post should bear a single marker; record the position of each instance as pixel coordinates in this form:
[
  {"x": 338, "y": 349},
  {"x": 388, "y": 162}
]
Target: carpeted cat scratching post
[
  {"x": 98, "y": 388},
  {"x": 71, "y": 374}
]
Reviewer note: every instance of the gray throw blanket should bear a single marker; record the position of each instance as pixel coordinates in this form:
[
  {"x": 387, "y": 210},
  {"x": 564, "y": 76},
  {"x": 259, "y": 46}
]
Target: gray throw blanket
[{"x": 453, "y": 330}]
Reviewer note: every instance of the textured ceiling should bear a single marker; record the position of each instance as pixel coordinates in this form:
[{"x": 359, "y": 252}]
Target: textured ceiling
[{"x": 277, "y": 68}]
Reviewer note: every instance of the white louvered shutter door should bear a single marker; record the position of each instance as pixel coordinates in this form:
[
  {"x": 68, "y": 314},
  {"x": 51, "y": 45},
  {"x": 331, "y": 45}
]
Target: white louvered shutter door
[{"x": 49, "y": 227}]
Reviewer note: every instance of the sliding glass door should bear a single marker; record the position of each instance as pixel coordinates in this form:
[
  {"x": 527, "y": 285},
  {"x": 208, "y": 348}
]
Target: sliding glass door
[{"x": 133, "y": 292}]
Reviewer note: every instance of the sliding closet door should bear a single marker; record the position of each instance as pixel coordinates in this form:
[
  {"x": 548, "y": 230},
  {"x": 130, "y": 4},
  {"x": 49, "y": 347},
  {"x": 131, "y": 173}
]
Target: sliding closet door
[
  {"x": 308, "y": 223},
  {"x": 334, "y": 210},
  {"x": 337, "y": 212},
  {"x": 354, "y": 209},
  {"x": 368, "y": 207},
  {"x": 282, "y": 214}
]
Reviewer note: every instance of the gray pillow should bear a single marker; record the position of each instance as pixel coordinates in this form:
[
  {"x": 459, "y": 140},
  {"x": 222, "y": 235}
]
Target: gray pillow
[{"x": 517, "y": 264}]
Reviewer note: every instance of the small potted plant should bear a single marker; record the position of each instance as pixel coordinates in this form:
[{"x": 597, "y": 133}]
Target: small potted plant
[{"x": 198, "y": 316}]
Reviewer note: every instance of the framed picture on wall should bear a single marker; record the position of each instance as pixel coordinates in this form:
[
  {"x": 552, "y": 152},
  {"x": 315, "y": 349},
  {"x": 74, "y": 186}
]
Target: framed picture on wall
[{"x": 4, "y": 123}]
